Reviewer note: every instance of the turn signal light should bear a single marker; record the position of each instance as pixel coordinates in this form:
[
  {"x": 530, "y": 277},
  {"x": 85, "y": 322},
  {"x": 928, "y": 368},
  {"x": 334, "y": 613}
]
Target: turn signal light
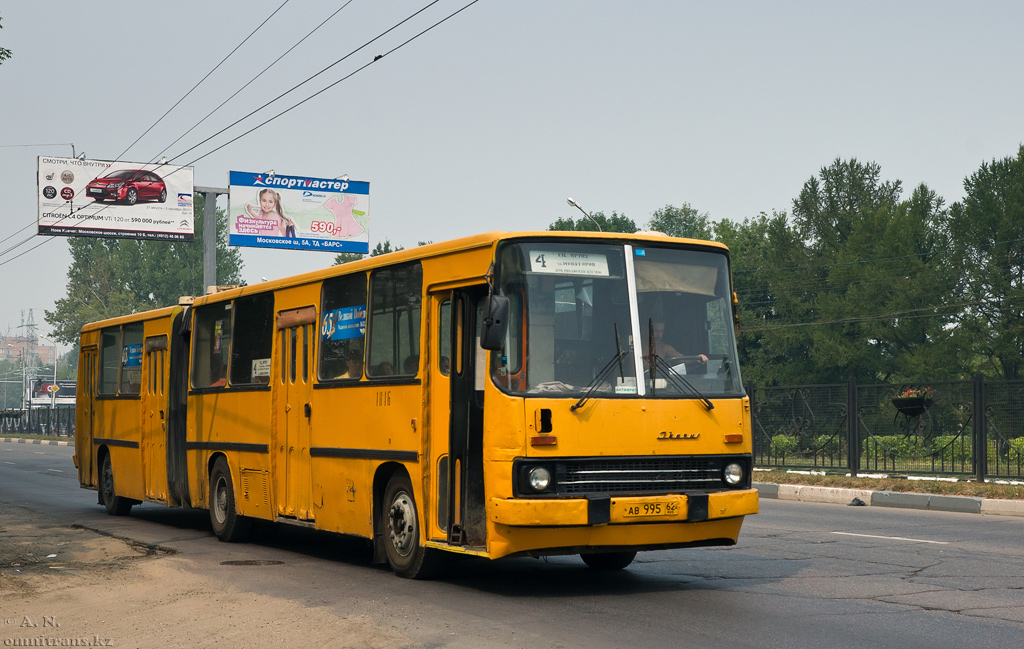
[
  {"x": 543, "y": 440},
  {"x": 733, "y": 438}
]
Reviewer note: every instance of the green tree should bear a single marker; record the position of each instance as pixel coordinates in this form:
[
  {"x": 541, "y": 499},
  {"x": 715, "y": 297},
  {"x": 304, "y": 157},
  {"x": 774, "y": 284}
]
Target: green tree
[
  {"x": 614, "y": 223},
  {"x": 852, "y": 281},
  {"x": 683, "y": 221},
  {"x": 379, "y": 249},
  {"x": 4, "y": 52},
  {"x": 986, "y": 263},
  {"x": 113, "y": 277}
]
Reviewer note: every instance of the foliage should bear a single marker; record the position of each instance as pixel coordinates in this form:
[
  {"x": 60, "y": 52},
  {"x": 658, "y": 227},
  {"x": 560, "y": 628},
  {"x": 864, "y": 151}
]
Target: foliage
[
  {"x": 114, "y": 277},
  {"x": 1016, "y": 453},
  {"x": 784, "y": 444},
  {"x": 683, "y": 221},
  {"x": 985, "y": 265},
  {"x": 614, "y": 223},
  {"x": 4, "y": 52}
]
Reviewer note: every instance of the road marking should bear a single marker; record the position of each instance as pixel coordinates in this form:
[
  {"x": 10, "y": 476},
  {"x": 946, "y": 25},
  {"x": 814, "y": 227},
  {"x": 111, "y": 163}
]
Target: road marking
[
  {"x": 55, "y": 470},
  {"x": 892, "y": 538},
  {"x": 8, "y": 462}
]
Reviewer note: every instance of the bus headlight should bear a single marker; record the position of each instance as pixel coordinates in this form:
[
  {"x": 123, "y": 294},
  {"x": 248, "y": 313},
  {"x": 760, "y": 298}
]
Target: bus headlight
[
  {"x": 540, "y": 478},
  {"x": 733, "y": 474}
]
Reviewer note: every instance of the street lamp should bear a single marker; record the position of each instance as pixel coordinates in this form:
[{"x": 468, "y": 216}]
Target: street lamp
[{"x": 577, "y": 206}]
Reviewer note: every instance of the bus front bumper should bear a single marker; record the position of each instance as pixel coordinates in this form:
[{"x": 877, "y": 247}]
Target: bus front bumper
[{"x": 674, "y": 508}]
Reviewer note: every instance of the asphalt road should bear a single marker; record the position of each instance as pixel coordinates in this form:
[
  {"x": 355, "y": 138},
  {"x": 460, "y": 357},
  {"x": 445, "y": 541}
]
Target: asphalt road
[{"x": 803, "y": 575}]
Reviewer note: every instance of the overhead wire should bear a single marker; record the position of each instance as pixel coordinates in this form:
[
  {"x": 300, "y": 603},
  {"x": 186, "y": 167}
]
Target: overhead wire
[
  {"x": 296, "y": 105},
  {"x": 307, "y": 80},
  {"x": 198, "y": 83},
  {"x": 253, "y": 79}
]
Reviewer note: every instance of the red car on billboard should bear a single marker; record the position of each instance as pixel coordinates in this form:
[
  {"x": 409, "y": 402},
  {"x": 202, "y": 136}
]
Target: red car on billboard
[{"x": 128, "y": 186}]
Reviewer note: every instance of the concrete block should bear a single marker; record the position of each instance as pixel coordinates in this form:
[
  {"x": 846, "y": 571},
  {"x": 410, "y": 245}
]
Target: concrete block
[
  {"x": 963, "y": 504},
  {"x": 1002, "y": 507},
  {"x": 767, "y": 489},
  {"x": 897, "y": 499}
]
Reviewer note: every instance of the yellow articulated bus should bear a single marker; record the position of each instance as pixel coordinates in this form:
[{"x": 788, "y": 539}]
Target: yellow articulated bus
[{"x": 506, "y": 394}]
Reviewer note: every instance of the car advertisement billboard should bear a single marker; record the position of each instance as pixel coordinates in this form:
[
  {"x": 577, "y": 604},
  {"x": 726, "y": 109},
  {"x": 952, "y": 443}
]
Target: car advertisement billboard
[
  {"x": 44, "y": 392},
  {"x": 298, "y": 212},
  {"x": 126, "y": 200}
]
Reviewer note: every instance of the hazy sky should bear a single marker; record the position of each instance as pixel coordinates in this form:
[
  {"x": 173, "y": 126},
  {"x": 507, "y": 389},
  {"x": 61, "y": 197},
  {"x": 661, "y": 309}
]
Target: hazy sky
[{"x": 491, "y": 120}]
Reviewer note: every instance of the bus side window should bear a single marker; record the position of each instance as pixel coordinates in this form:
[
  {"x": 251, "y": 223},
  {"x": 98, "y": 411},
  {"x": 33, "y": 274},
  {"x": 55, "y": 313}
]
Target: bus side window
[
  {"x": 342, "y": 327},
  {"x": 110, "y": 360},
  {"x": 444, "y": 338},
  {"x": 131, "y": 359},
  {"x": 395, "y": 295},
  {"x": 211, "y": 342},
  {"x": 252, "y": 339}
]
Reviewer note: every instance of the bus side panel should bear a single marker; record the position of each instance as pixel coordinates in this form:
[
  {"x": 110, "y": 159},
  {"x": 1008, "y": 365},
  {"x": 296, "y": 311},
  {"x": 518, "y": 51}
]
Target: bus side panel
[
  {"x": 218, "y": 423},
  {"x": 355, "y": 429}
]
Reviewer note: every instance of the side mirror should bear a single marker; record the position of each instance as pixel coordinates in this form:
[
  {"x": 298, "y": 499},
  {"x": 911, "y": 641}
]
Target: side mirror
[{"x": 495, "y": 324}]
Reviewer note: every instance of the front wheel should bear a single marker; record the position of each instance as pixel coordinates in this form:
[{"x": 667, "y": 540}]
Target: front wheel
[
  {"x": 228, "y": 524},
  {"x": 400, "y": 525},
  {"x": 131, "y": 196},
  {"x": 116, "y": 505},
  {"x": 608, "y": 560}
]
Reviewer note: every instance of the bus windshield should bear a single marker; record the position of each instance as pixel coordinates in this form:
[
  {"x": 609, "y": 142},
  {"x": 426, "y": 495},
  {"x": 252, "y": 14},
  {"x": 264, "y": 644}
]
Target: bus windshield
[{"x": 616, "y": 320}]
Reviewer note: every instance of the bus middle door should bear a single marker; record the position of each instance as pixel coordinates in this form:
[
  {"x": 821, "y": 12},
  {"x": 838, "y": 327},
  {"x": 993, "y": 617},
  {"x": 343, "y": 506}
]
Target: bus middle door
[{"x": 294, "y": 469}]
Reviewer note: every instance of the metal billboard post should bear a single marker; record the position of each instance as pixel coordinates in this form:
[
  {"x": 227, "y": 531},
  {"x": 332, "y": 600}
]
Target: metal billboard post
[{"x": 210, "y": 233}]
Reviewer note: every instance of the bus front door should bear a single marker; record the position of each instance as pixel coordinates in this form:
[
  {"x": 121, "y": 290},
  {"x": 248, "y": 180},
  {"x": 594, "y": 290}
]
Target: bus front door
[{"x": 457, "y": 382}]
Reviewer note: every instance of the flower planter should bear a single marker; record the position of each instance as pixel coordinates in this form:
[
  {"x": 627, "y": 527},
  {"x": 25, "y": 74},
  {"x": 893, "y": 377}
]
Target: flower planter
[{"x": 912, "y": 406}]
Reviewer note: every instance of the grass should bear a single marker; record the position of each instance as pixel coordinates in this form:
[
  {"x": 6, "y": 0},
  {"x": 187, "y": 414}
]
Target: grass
[{"x": 959, "y": 488}]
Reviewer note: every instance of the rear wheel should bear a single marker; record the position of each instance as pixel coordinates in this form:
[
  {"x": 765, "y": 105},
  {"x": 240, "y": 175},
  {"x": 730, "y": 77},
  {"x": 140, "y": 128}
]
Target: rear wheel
[
  {"x": 608, "y": 560},
  {"x": 163, "y": 195},
  {"x": 228, "y": 524},
  {"x": 401, "y": 528},
  {"x": 116, "y": 505}
]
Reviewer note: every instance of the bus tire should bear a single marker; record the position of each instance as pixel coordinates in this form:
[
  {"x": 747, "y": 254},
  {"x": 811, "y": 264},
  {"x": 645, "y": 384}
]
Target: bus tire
[
  {"x": 228, "y": 524},
  {"x": 116, "y": 505},
  {"x": 608, "y": 560},
  {"x": 401, "y": 528}
]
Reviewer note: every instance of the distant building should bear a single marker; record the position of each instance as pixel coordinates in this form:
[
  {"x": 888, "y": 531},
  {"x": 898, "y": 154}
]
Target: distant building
[{"x": 18, "y": 348}]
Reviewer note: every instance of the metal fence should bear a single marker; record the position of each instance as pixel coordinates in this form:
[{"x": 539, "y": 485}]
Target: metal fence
[
  {"x": 956, "y": 428},
  {"x": 41, "y": 421}
]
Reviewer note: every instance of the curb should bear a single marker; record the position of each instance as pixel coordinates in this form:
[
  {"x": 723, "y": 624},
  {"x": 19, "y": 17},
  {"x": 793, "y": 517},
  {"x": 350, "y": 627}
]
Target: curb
[
  {"x": 45, "y": 442},
  {"x": 930, "y": 502}
]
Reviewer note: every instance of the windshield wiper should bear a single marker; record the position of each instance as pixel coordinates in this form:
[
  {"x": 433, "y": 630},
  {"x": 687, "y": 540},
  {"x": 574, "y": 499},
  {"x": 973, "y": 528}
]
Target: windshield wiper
[
  {"x": 678, "y": 380},
  {"x": 597, "y": 380}
]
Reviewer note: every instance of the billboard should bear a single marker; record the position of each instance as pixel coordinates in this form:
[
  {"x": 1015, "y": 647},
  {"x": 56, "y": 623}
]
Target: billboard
[
  {"x": 298, "y": 212},
  {"x": 126, "y": 200},
  {"x": 43, "y": 392}
]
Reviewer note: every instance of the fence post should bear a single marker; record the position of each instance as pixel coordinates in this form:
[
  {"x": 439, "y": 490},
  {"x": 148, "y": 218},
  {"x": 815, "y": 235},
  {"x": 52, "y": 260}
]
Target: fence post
[
  {"x": 980, "y": 429},
  {"x": 852, "y": 422}
]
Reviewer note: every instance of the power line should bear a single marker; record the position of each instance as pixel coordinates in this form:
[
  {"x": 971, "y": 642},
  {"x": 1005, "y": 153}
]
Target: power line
[
  {"x": 252, "y": 80},
  {"x": 302, "y": 83},
  {"x": 202, "y": 80}
]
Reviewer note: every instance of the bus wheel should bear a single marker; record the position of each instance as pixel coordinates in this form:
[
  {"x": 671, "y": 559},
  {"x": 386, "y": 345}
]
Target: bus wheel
[
  {"x": 608, "y": 560},
  {"x": 116, "y": 505},
  {"x": 401, "y": 527},
  {"x": 228, "y": 525}
]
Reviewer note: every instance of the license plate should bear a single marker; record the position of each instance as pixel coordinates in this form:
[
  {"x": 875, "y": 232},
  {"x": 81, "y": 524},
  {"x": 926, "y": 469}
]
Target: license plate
[
  {"x": 93, "y": 190},
  {"x": 637, "y": 510}
]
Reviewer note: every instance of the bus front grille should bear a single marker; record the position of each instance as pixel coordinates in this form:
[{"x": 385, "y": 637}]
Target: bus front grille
[{"x": 638, "y": 476}]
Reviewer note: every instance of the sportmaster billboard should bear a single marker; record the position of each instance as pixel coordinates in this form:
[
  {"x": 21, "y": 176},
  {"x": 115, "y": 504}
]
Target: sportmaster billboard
[
  {"x": 298, "y": 212},
  {"x": 127, "y": 200}
]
